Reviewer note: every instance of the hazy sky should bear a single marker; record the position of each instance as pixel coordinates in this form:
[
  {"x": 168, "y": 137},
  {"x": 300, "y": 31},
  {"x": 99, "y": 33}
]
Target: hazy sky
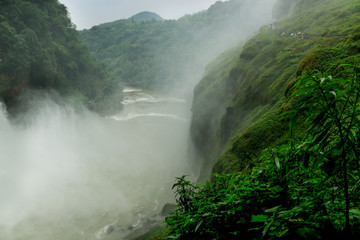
[{"x": 87, "y": 13}]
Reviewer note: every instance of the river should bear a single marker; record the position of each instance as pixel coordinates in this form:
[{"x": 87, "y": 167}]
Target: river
[{"x": 69, "y": 174}]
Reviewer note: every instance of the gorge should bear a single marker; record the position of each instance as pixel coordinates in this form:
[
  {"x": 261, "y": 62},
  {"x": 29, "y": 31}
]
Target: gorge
[{"x": 94, "y": 137}]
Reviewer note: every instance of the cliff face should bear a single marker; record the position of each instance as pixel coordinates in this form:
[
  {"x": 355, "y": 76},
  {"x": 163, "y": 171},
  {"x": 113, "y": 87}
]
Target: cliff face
[{"x": 238, "y": 104}]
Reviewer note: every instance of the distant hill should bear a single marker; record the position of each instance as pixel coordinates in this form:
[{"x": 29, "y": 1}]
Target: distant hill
[
  {"x": 145, "y": 16},
  {"x": 164, "y": 54},
  {"x": 139, "y": 17}
]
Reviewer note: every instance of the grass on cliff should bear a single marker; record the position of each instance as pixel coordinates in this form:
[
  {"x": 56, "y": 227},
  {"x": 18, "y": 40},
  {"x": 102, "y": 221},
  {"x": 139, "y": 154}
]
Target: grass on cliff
[
  {"x": 304, "y": 188},
  {"x": 268, "y": 65}
]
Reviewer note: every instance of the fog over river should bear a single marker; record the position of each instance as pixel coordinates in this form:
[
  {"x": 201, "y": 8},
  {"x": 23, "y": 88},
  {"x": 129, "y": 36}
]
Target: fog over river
[{"x": 69, "y": 174}]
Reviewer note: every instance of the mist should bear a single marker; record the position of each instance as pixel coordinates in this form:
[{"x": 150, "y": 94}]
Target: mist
[
  {"x": 97, "y": 11},
  {"x": 228, "y": 33},
  {"x": 67, "y": 173},
  {"x": 208, "y": 42}
]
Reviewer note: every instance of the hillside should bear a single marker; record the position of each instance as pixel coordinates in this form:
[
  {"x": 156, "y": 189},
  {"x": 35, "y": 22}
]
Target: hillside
[
  {"x": 140, "y": 17},
  {"x": 40, "y": 48},
  {"x": 169, "y": 54},
  {"x": 145, "y": 16},
  {"x": 248, "y": 87},
  {"x": 277, "y": 123}
]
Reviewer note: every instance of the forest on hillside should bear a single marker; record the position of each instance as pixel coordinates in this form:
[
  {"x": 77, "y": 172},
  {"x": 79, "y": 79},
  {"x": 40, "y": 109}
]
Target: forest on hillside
[
  {"x": 40, "y": 48},
  {"x": 166, "y": 54}
]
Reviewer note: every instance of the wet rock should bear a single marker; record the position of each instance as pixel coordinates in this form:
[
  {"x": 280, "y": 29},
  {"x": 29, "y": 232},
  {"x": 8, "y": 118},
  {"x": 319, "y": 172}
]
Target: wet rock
[
  {"x": 109, "y": 229},
  {"x": 167, "y": 209}
]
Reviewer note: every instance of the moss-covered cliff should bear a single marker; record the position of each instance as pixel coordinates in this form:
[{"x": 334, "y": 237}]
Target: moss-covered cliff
[{"x": 238, "y": 104}]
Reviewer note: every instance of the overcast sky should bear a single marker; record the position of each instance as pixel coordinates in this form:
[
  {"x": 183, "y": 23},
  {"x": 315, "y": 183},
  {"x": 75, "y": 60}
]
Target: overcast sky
[{"x": 87, "y": 13}]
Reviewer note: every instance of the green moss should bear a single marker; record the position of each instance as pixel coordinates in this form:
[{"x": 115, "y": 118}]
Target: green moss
[
  {"x": 318, "y": 59},
  {"x": 246, "y": 144}
]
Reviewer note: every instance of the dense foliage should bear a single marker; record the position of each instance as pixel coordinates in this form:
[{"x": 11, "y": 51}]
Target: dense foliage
[
  {"x": 40, "y": 48},
  {"x": 307, "y": 188},
  {"x": 164, "y": 54}
]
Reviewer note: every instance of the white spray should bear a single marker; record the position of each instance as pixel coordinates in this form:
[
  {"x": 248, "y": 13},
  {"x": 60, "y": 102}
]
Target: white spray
[{"x": 65, "y": 173}]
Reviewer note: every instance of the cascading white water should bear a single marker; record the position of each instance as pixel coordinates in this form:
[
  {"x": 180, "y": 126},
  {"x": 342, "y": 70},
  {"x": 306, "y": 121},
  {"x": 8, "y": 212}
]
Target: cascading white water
[{"x": 68, "y": 174}]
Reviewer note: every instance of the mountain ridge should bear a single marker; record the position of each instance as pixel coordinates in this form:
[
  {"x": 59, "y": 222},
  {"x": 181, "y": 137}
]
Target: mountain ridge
[
  {"x": 166, "y": 54},
  {"x": 144, "y": 16}
]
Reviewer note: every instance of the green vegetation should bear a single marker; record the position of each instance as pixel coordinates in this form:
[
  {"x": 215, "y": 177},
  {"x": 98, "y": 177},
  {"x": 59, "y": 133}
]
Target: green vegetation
[
  {"x": 40, "y": 48},
  {"x": 280, "y": 120},
  {"x": 164, "y": 54},
  {"x": 273, "y": 177},
  {"x": 307, "y": 188},
  {"x": 276, "y": 118},
  {"x": 254, "y": 81}
]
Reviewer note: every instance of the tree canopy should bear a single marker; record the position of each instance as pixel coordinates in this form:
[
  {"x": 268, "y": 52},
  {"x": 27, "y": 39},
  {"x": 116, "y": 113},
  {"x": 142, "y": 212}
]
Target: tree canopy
[{"x": 40, "y": 48}]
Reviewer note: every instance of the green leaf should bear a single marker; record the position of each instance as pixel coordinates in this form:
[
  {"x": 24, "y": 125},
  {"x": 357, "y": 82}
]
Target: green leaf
[
  {"x": 355, "y": 211},
  {"x": 321, "y": 137},
  {"x": 259, "y": 218},
  {"x": 277, "y": 163},
  {"x": 282, "y": 233},
  {"x": 353, "y": 133},
  {"x": 198, "y": 225},
  {"x": 318, "y": 120},
  {"x": 274, "y": 209}
]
